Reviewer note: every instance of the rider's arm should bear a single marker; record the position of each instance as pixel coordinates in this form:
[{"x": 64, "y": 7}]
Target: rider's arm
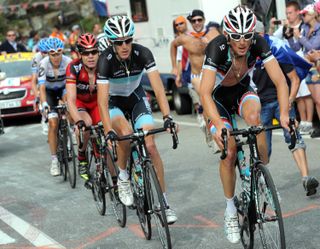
[
  {"x": 34, "y": 87},
  {"x": 103, "y": 93},
  {"x": 157, "y": 86},
  {"x": 173, "y": 54},
  {"x": 71, "y": 100},
  {"x": 295, "y": 84},
  {"x": 275, "y": 73},
  {"x": 42, "y": 81}
]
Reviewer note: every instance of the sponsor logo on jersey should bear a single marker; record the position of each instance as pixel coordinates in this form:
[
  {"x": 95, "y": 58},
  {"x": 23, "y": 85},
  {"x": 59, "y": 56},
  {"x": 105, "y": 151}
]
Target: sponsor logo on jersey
[{"x": 109, "y": 57}]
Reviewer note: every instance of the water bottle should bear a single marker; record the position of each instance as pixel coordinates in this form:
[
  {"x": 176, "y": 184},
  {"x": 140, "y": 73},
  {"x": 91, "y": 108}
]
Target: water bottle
[
  {"x": 244, "y": 167},
  {"x": 137, "y": 174}
]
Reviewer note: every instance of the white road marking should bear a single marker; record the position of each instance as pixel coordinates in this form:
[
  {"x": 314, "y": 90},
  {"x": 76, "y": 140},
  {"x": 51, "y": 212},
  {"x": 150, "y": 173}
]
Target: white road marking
[
  {"x": 29, "y": 232},
  {"x": 5, "y": 239}
]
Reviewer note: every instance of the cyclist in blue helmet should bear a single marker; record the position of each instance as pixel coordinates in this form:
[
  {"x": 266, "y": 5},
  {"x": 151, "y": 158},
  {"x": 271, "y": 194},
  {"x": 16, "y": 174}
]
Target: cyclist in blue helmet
[
  {"x": 52, "y": 81},
  {"x": 42, "y": 45}
]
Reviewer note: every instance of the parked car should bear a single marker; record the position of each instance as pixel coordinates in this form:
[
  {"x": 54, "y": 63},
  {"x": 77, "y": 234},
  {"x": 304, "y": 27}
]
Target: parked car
[
  {"x": 16, "y": 95},
  {"x": 178, "y": 97}
]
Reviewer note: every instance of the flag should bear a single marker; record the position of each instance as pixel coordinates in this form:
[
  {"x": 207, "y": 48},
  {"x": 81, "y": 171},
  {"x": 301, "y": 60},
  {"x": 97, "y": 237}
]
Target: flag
[
  {"x": 284, "y": 54},
  {"x": 100, "y": 7}
]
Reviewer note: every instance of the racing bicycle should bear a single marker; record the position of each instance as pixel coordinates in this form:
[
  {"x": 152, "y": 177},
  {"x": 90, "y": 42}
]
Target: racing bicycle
[
  {"x": 148, "y": 197},
  {"x": 65, "y": 149},
  {"x": 103, "y": 174},
  {"x": 258, "y": 204}
]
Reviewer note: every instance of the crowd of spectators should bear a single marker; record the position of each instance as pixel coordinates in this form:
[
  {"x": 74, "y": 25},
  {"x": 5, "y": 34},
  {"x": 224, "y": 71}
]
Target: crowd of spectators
[{"x": 301, "y": 31}]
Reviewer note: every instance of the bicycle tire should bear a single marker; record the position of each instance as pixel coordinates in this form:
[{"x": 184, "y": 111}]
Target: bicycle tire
[
  {"x": 156, "y": 205},
  {"x": 141, "y": 204},
  {"x": 247, "y": 222},
  {"x": 70, "y": 160},
  {"x": 62, "y": 150},
  {"x": 98, "y": 189},
  {"x": 268, "y": 210},
  {"x": 118, "y": 208}
]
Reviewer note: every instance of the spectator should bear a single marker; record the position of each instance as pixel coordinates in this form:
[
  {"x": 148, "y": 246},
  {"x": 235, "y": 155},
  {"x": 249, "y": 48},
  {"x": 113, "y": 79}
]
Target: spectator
[
  {"x": 308, "y": 39},
  {"x": 96, "y": 29},
  {"x": 56, "y": 32},
  {"x": 304, "y": 100},
  {"x": 10, "y": 45},
  {"x": 33, "y": 41},
  {"x": 73, "y": 40}
]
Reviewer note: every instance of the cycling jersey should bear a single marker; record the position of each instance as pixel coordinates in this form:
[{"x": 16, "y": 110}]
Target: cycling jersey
[
  {"x": 46, "y": 74},
  {"x": 218, "y": 56},
  {"x": 36, "y": 62},
  {"x": 77, "y": 74},
  {"x": 124, "y": 76},
  {"x": 86, "y": 92}
]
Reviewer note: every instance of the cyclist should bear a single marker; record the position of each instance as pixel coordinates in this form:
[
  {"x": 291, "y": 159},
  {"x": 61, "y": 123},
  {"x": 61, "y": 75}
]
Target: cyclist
[
  {"x": 43, "y": 52},
  {"x": 82, "y": 92},
  {"x": 52, "y": 79},
  {"x": 103, "y": 42},
  {"x": 225, "y": 88},
  {"x": 120, "y": 69}
]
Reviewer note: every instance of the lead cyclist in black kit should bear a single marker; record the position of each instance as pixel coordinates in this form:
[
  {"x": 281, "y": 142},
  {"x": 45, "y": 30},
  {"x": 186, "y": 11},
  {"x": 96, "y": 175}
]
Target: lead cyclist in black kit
[
  {"x": 225, "y": 88},
  {"x": 120, "y": 68}
]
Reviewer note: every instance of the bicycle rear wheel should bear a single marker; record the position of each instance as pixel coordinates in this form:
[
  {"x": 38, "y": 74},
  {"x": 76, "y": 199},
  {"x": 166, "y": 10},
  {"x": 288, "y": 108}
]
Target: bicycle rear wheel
[
  {"x": 118, "y": 208},
  {"x": 61, "y": 152},
  {"x": 156, "y": 205},
  {"x": 70, "y": 160},
  {"x": 268, "y": 210},
  {"x": 99, "y": 187}
]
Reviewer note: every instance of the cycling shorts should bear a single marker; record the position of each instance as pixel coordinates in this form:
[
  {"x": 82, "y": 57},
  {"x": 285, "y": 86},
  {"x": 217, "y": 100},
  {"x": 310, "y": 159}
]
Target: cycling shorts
[
  {"x": 53, "y": 96},
  {"x": 136, "y": 106},
  {"x": 230, "y": 100},
  {"x": 91, "y": 108}
]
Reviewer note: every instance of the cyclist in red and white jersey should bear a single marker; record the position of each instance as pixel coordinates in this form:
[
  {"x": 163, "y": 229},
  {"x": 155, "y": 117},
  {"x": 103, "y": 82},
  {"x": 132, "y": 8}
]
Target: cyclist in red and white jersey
[{"x": 82, "y": 92}]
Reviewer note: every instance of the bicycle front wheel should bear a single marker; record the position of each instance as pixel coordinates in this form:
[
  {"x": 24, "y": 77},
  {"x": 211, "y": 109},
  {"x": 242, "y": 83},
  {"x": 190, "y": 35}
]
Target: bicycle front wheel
[
  {"x": 156, "y": 205},
  {"x": 111, "y": 175},
  {"x": 71, "y": 159},
  {"x": 99, "y": 188},
  {"x": 269, "y": 216}
]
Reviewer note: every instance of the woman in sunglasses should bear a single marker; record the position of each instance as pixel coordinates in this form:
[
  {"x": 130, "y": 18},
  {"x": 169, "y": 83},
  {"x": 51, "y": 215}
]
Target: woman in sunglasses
[
  {"x": 82, "y": 91},
  {"x": 52, "y": 81},
  {"x": 120, "y": 69},
  {"x": 225, "y": 89}
]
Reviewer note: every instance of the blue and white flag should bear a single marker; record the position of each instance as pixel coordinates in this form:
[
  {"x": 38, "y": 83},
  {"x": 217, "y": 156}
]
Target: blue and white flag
[
  {"x": 284, "y": 54},
  {"x": 100, "y": 7}
]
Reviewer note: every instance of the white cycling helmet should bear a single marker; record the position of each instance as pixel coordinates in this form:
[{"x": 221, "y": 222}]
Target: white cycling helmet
[
  {"x": 118, "y": 27},
  {"x": 239, "y": 20},
  {"x": 103, "y": 42}
]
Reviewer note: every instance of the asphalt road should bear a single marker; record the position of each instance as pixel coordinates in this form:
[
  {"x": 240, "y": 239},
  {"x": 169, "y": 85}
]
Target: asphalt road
[{"x": 39, "y": 211}]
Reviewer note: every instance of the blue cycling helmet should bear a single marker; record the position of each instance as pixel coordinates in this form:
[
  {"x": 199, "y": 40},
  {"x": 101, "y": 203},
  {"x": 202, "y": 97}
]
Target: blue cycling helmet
[
  {"x": 42, "y": 45},
  {"x": 118, "y": 27},
  {"x": 54, "y": 44}
]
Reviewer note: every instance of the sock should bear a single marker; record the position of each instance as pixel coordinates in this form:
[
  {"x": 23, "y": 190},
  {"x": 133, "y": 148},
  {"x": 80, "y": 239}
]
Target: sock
[
  {"x": 165, "y": 199},
  {"x": 302, "y": 123},
  {"x": 123, "y": 174},
  {"x": 304, "y": 178},
  {"x": 231, "y": 208},
  {"x": 308, "y": 124},
  {"x": 81, "y": 155},
  {"x": 54, "y": 157}
]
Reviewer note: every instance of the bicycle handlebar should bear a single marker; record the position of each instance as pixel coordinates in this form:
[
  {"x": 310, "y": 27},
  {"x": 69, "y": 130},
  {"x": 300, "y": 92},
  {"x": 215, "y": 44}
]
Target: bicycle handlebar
[
  {"x": 143, "y": 133},
  {"x": 92, "y": 128},
  {"x": 255, "y": 130}
]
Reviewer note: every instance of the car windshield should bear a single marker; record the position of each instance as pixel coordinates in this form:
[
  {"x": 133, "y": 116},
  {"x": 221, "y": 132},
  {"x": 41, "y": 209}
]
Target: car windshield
[{"x": 16, "y": 68}]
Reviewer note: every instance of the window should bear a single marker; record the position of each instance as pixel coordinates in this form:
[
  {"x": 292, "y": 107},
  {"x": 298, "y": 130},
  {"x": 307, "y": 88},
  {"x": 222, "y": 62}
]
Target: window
[{"x": 139, "y": 10}]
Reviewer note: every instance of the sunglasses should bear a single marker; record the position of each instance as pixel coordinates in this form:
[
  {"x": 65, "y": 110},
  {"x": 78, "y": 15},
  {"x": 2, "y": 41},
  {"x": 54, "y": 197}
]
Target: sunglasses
[
  {"x": 179, "y": 24},
  {"x": 120, "y": 42},
  {"x": 54, "y": 54},
  {"x": 196, "y": 20},
  {"x": 10, "y": 35},
  {"x": 237, "y": 37},
  {"x": 87, "y": 53}
]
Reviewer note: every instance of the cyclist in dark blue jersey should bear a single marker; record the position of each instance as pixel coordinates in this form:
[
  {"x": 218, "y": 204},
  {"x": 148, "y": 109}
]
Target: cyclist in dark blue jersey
[{"x": 225, "y": 89}]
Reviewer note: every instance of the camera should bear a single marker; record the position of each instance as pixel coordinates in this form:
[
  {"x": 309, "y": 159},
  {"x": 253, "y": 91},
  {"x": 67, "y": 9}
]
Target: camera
[{"x": 277, "y": 22}]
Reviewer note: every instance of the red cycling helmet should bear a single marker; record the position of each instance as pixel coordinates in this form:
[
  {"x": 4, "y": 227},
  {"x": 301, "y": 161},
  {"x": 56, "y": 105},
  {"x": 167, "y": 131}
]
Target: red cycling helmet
[{"x": 86, "y": 41}]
